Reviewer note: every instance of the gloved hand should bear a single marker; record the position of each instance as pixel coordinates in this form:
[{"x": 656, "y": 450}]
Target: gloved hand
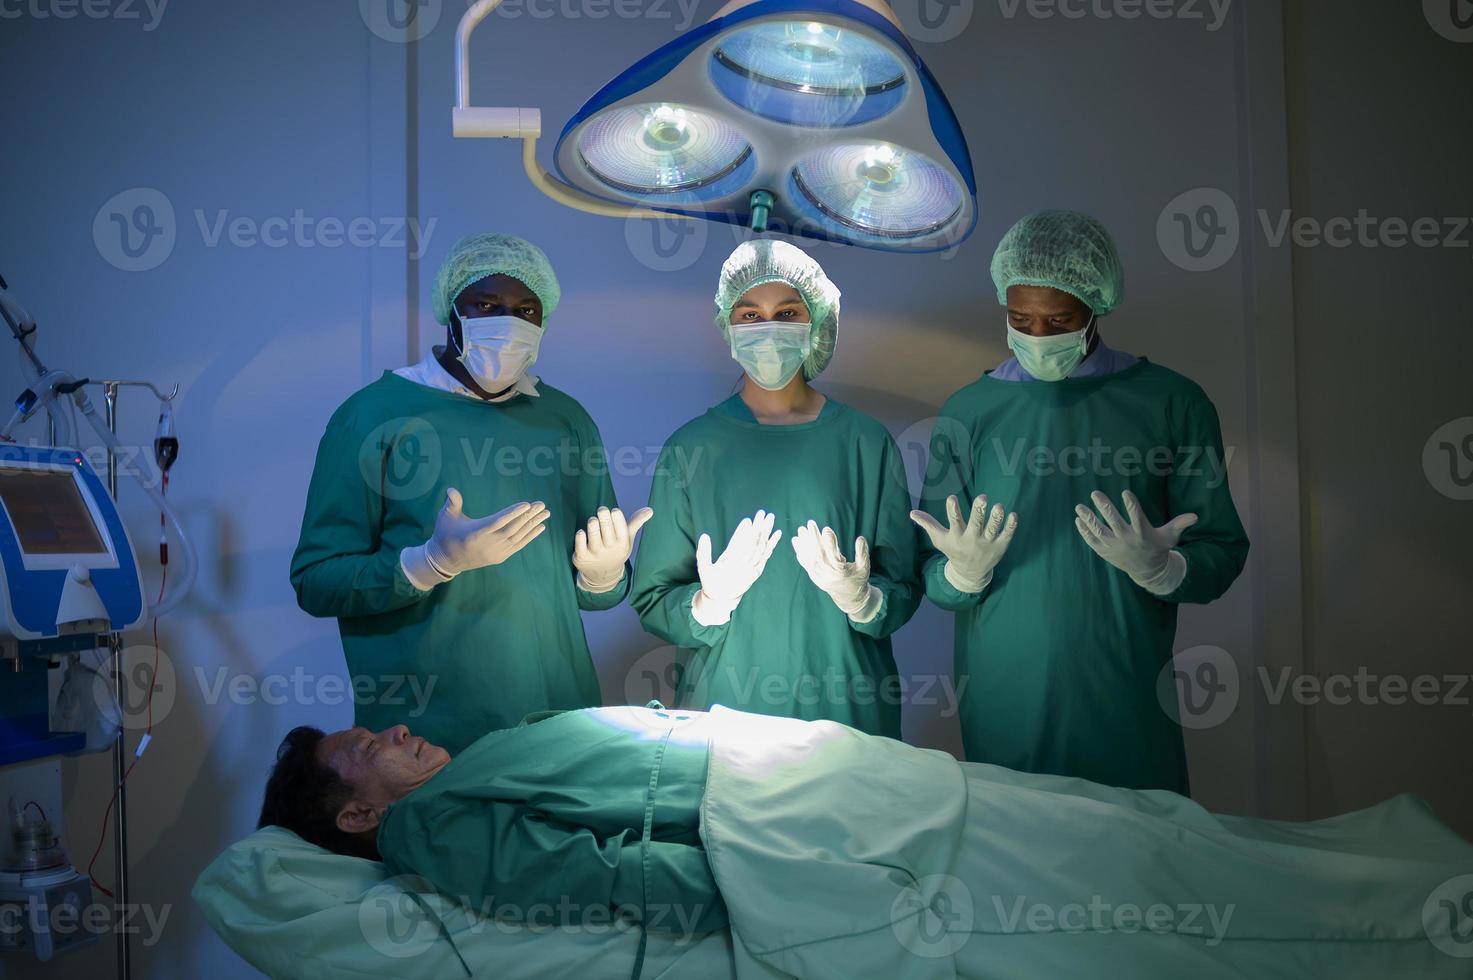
[
  {"x": 599, "y": 553},
  {"x": 1135, "y": 547},
  {"x": 460, "y": 543},
  {"x": 727, "y": 579},
  {"x": 846, "y": 582},
  {"x": 974, "y": 548}
]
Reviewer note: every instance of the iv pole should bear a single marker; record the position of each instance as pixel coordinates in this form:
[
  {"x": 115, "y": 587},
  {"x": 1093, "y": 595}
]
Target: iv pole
[{"x": 22, "y": 326}]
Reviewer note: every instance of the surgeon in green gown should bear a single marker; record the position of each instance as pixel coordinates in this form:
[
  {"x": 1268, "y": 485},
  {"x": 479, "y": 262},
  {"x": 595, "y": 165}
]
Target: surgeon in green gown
[
  {"x": 1114, "y": 470},
  {"x": 461, "y": 514},
  {"x": 801, "y": 631}
]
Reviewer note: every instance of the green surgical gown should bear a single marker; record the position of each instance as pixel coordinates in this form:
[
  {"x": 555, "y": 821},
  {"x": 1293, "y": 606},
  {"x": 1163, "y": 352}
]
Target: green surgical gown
[
  {"x": 1060, "y": 655},
  {"x": 787, "y": 649},
  {"x": 566, "y": 820},
  {"x": 493, "y": 644}
]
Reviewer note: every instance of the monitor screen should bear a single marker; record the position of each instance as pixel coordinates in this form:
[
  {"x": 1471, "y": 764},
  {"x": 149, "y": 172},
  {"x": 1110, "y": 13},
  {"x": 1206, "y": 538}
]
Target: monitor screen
[{"x": 49, "y": 513}]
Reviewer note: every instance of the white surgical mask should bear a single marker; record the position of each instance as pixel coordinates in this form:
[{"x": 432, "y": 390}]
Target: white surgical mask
[
  {"x": 771, "y": 352},
  {"x": 498, "y": 350},
  {"x": 1050, "y": 358}
]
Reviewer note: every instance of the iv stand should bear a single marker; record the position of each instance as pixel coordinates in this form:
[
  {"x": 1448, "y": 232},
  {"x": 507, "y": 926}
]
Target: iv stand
[
  {"x": 22, "y": 327},
  {"x": 114, "y": 643}
]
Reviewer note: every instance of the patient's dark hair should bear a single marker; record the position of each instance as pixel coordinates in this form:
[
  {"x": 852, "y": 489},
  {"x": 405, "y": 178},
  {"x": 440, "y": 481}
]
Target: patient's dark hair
[{"x": 304, "y": 796}]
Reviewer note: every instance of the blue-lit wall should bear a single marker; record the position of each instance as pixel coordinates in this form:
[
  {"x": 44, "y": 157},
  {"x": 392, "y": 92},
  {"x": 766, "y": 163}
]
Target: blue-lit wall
[{"x": 266, "y": 110}]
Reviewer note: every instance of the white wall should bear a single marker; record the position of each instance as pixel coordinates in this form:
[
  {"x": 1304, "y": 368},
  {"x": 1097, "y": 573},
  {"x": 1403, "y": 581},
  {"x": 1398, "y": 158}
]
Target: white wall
[{"x": 263, "y": 109}]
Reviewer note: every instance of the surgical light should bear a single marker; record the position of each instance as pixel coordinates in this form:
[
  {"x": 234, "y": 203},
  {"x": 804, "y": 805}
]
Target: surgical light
[
  {"x": 805, "y": 117},
  {"x": 807, "y": 73},
  {"x": 660, "y": 148},
  {"x": 878, "y": 189}
]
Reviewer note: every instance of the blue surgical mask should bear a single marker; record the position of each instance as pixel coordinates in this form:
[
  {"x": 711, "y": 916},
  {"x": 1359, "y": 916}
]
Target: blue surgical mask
[
  {"x": 771, "y": 352},
  {"x": 1050, "y": 358}
]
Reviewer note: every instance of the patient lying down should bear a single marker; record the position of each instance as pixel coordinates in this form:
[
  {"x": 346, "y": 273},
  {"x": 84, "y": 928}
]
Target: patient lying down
[
  {"x": 551, "y": 813},
  {"x": 818, "y": 845}
]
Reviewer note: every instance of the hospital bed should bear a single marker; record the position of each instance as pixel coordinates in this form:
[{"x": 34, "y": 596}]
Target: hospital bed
[{"x": 842, "y": 856}]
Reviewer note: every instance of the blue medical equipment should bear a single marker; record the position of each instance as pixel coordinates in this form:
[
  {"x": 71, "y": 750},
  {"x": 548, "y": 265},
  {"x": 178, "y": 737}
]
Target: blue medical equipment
[
  {"x": 69, "y": 585},
  {"x": 67, "y": 567}
]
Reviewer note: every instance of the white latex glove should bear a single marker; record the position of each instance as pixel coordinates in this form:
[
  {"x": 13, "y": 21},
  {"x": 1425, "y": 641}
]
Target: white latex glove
[
  {"x": 1135, "y": 547},
  {"x": 460, "y": 543},
  {"x": 846, "y": 582},
  {"x": 725, "y": 580},
  {"x": 974, "y": 548},
  {"x": 599, "y": 553}
]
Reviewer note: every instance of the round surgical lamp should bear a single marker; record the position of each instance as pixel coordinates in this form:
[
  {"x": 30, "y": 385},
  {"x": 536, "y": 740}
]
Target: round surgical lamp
[{"x": 812, "y": 118}]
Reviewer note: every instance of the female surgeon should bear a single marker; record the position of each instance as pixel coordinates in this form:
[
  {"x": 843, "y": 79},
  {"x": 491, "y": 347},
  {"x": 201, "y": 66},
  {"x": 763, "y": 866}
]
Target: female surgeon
[{"x": 800, "y": 629}]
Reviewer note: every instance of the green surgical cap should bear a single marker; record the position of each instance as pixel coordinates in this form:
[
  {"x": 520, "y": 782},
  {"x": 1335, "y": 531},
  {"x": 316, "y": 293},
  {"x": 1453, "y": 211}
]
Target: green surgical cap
[
  {"x": 1063, "y": 249},
  {"x": 762, "y": 261},
  {"x": 475, "y": 257}
]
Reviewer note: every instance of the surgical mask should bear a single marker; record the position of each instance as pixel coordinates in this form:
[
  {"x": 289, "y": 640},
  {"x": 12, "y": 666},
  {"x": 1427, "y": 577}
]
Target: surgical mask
[
  {"x": 498, "y": 350},
  {"x": 771, "y": 352},
  {"x": 1050, "y": 358}
]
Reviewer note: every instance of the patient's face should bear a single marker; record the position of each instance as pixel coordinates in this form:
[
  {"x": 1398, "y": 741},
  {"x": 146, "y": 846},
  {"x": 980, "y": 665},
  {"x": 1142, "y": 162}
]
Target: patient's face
[{"x": 382, "y": 766}]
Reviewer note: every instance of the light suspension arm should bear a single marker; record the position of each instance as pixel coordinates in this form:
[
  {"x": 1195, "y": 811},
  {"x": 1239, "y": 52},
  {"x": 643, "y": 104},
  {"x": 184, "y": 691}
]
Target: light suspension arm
[{"x": 525, "y": 124}]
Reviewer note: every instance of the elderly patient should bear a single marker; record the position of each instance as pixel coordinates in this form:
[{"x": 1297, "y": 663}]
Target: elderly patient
[{"x": 549, "y": 816}]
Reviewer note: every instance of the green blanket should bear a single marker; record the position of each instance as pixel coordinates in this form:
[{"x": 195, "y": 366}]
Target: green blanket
[{"x": 843, "y": 855}]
